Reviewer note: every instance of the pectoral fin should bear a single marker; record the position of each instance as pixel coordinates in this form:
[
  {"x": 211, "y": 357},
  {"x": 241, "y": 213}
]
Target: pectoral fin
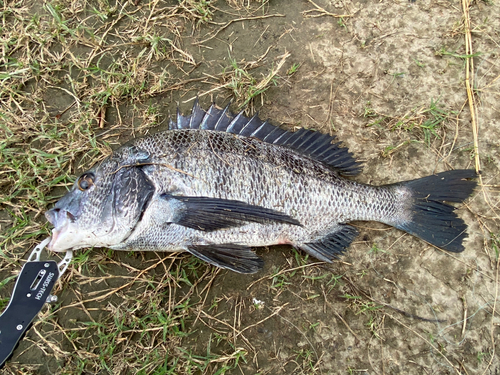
[
  {"x": 210, "y": 214},
  {"x": 237, "y": 258}
]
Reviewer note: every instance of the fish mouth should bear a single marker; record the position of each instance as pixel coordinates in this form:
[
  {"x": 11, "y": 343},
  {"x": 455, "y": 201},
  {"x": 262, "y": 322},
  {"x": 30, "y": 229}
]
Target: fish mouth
[{"x": 61, "y": 220}]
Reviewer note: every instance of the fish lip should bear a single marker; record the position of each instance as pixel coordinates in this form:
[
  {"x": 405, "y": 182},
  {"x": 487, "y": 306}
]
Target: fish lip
[
  {"x": 53, "y": 241},
  {"x": 57, "y": 233},
  {"x": 58, "y": 216},
  {"x": 61, "y": 220}
]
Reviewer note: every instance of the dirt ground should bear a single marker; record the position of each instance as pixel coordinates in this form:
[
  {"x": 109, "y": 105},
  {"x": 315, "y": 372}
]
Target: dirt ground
[{"x": 388, "y": 78}]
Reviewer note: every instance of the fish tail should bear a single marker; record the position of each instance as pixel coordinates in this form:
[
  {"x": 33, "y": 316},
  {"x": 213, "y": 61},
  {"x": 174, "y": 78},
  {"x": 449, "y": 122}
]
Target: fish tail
[{"x": 428, "y": 217}]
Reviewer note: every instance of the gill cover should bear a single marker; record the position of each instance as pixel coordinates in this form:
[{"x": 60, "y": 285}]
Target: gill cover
[{"x": 132, "y": 191}]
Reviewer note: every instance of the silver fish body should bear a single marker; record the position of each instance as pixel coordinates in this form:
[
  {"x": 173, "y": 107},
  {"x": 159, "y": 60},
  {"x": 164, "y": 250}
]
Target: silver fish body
[{"x": 217, "y": 185}]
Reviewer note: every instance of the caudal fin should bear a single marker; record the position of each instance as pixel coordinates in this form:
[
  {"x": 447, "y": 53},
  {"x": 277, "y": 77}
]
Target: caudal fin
[{"x": 430, "y": 218}]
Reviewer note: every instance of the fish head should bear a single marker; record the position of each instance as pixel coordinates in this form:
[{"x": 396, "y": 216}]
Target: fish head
[{"x": 102, "y": 208}]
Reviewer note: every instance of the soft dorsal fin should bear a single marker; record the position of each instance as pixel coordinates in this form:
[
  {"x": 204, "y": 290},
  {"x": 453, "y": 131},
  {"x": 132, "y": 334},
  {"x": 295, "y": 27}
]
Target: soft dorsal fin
[{"x": 316, "y": 145}]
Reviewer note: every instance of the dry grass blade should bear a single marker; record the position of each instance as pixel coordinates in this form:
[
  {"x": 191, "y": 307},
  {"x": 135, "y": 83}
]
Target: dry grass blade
[
  {"x": 320, "y": 12},
  {"x": 245, "y": 86},
  {"x": 227, "y": 24},
  {"x": 469, "y": 82}
]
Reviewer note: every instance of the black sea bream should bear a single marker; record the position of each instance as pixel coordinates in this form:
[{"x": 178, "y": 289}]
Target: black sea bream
[{"x": 217, "y": 185}]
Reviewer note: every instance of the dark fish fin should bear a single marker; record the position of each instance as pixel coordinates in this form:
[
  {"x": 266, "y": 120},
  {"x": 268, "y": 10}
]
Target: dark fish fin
[
  {"x": 209, "y": 214},
  {"x": 197, "y": 115},
  {"x": 251, "y": 126},
  {"x": 211, "y": 117},
  {"x": 193, "y": 121},
  {"x": 237, "y": 123},
  {"x": 431, "y": 219},
  {"x": 333, "y": 245},
  {"x": 236, "y": 258},
  {"x": 315, "y": 145},
  {"x": 224, "y": 120},
  {"x": 182, "y": 122}
]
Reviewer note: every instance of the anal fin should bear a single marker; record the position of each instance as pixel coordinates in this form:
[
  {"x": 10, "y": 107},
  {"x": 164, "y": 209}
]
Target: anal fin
[
  {"x": 234, "y": 257},
  {"x": 333, "y": 245}
]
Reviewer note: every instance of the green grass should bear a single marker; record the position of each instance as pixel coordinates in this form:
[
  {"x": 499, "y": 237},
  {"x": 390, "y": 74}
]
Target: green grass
[
  {"x": 29, "y": 178},
  {"x": 201, "y": 10},
  {"x": 444, "y": 52},
  {"x": 375, "y": 250},
  {"x": 495, "y": 244},
  {"x": 425, "y": 123},
  {"x": 293, "y": 69},
  {"x": 435, "y": 117},
  {"x": 279, "y": 280},
  {"x": 246, "y": 87}
]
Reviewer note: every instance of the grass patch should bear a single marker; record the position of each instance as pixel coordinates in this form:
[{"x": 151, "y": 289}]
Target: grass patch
[
  {"x": 246, "y": 87},
  {"x": 425, "y": 124}
]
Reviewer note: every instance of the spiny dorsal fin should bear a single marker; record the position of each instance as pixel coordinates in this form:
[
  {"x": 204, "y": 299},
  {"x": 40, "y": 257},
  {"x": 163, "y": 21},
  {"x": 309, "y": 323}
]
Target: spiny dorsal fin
[{"x": 316, "y": 145}]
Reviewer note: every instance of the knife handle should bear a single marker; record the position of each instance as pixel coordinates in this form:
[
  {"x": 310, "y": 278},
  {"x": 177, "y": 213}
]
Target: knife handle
[{"x": 33, "y": 286}]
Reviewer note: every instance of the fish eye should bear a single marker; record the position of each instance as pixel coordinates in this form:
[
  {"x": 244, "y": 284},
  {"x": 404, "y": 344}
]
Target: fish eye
[{"x": 85, "y": 181}]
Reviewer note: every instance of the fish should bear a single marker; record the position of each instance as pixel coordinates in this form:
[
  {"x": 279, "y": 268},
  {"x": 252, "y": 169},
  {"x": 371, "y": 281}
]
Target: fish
[{"x": 218, "y": 185}]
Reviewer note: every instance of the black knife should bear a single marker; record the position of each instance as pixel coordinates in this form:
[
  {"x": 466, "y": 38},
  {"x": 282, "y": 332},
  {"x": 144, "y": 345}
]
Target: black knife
[{"x": 32, "y": 290}]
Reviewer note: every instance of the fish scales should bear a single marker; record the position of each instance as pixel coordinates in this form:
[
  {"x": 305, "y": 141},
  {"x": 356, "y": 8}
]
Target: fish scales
[
  {"x": 217, "y": 193},
  {"x": 223, "y": 165}
]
